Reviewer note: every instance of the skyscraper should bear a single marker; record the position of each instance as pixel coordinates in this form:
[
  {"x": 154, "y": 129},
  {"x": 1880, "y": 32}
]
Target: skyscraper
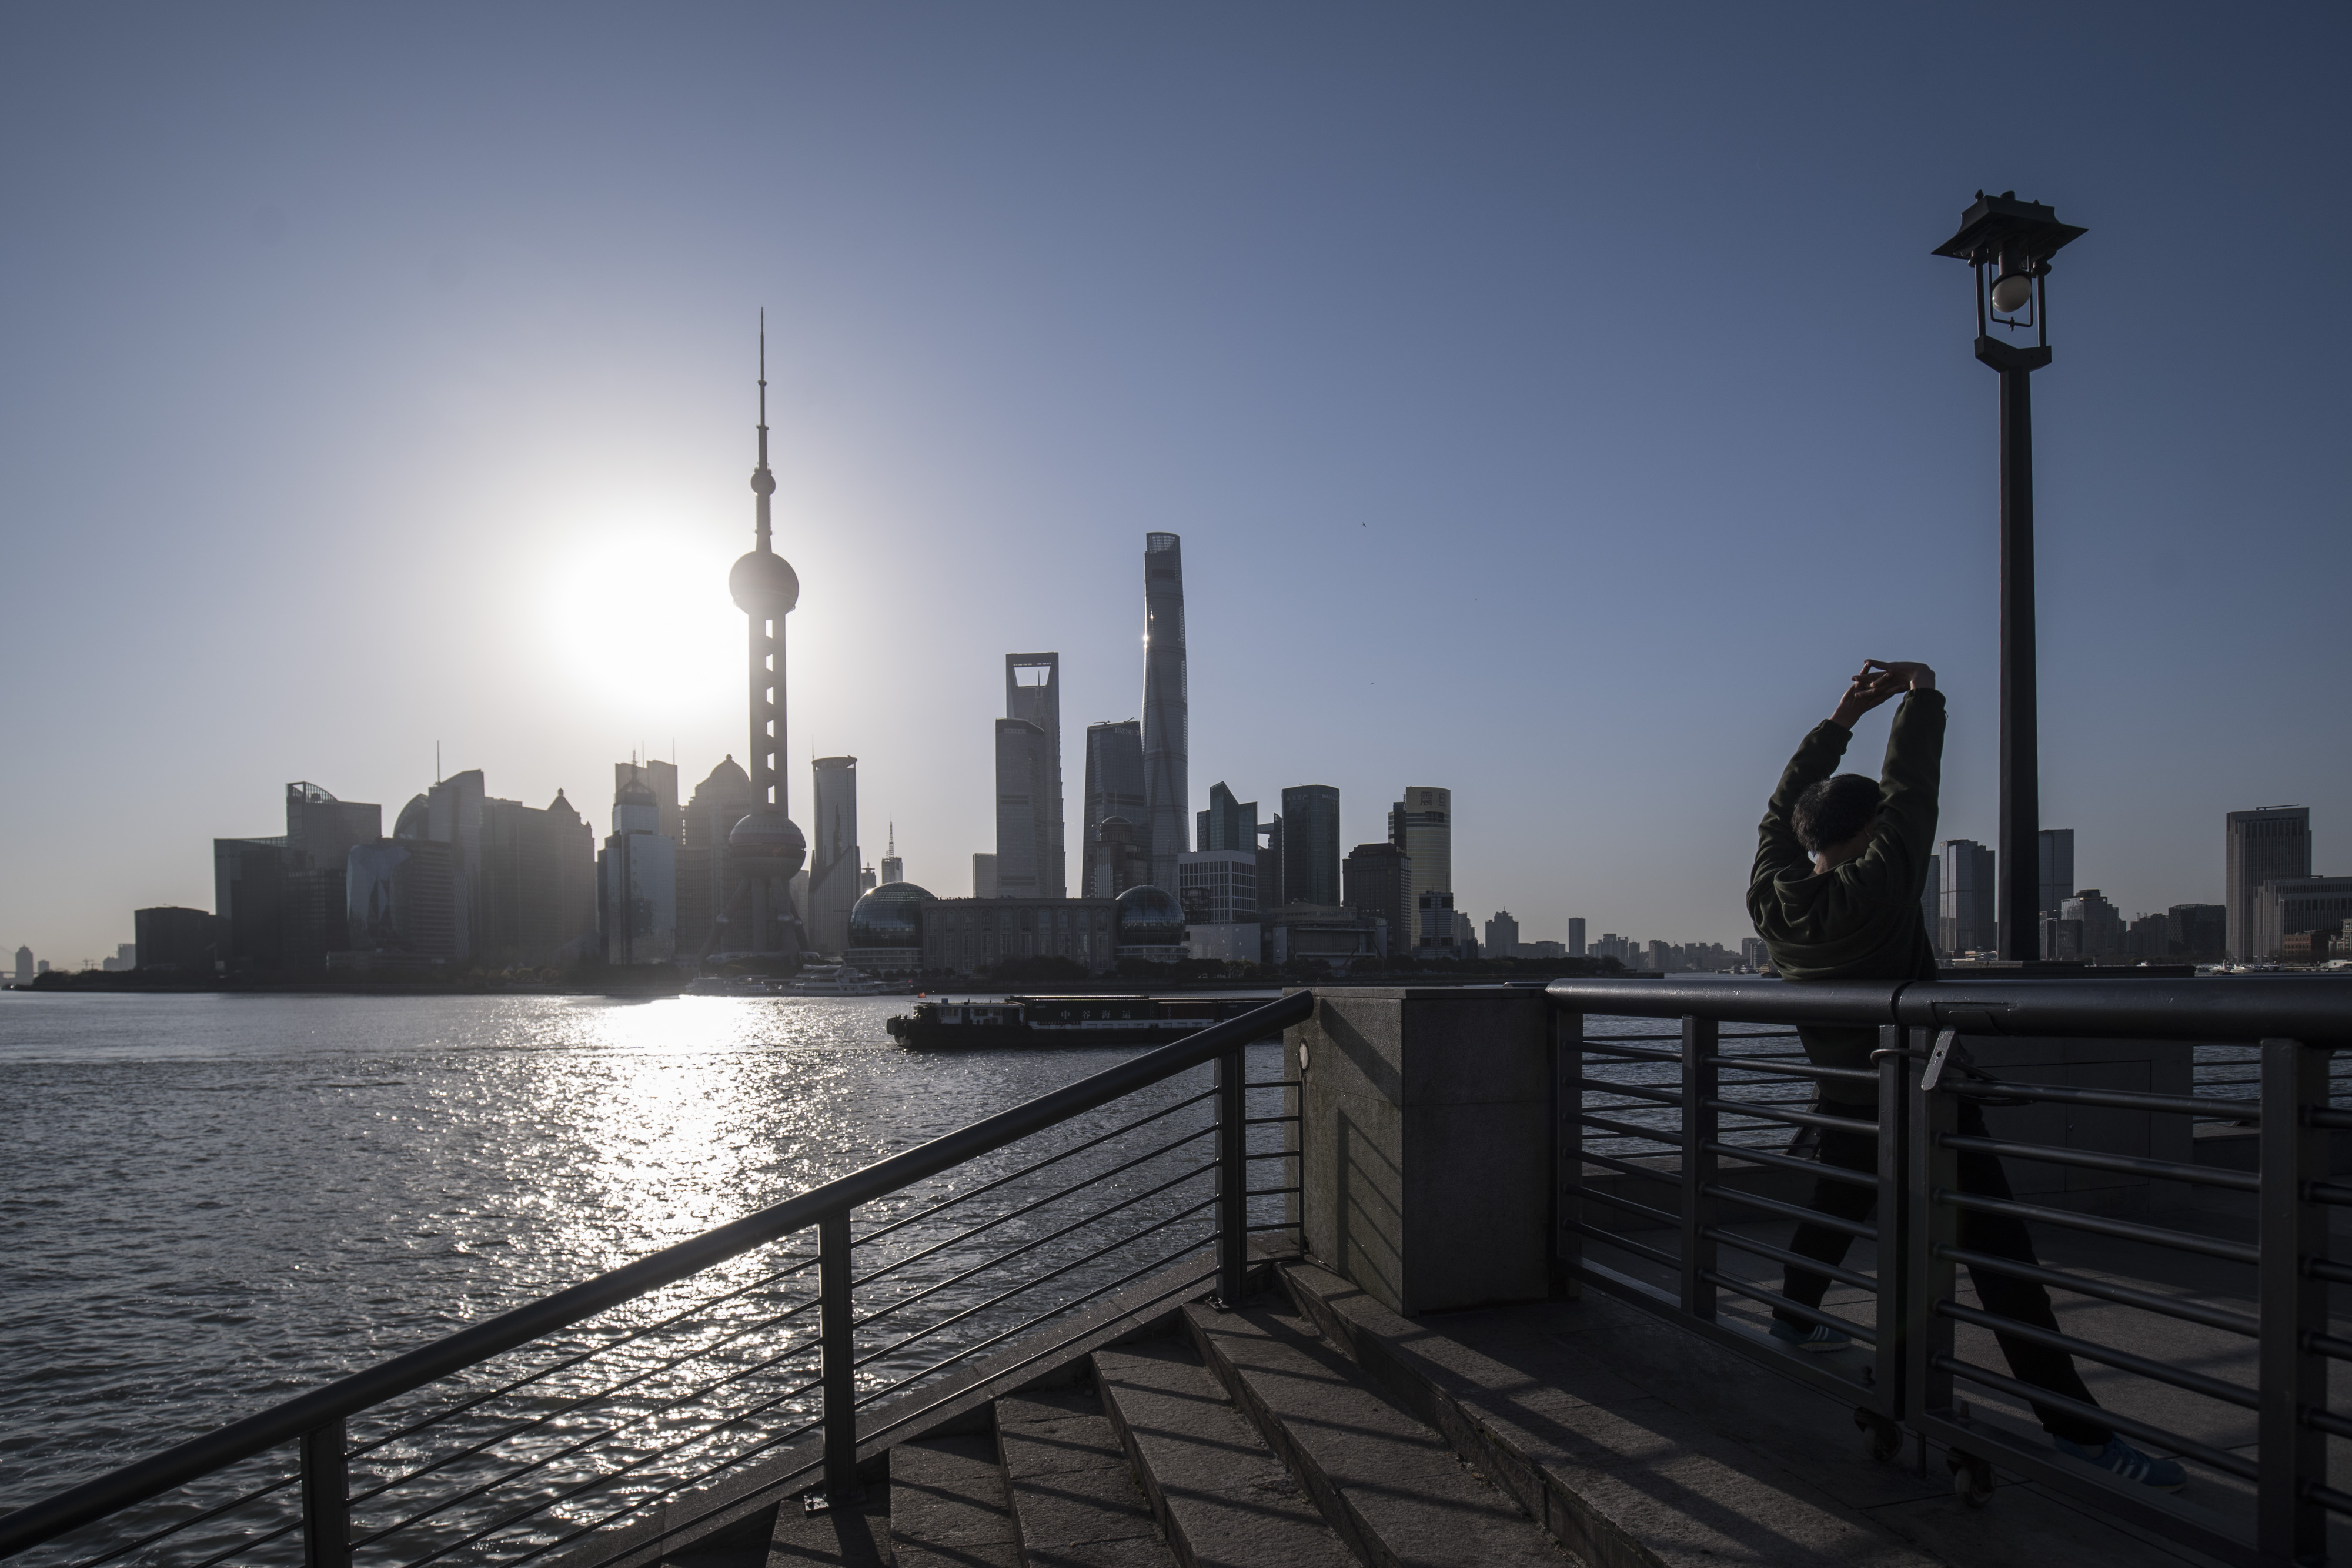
[
  {"x": 1379, "y": 885},
  {"x": 894, "y": 870},
  {"x": 1967, "y": 921},
  {"x": 1310, "y": 844},
  {"x": 1166, "y": 744},
  {"x": 704, "y": 886},
  {"x": 2057, "y": 869},
  {"x": 1931, "y": 904},
  {"x": 638, "y": 881},
  {"x": 537, "y": 897},
  {"x": 2262, "y": 845},
  {"x": 766, "y": 848},
  {"x": 1421, "y": 825},
  {"x": 1033, "y": 693},
  {"x": 1576, "y": 937},
  {"x": 1228, "y": 823},
  {"x": 1114, "y": 789},
  {"x": 1023, "y": 846},
  {"x": 1122, "y": 860},
  {"x": 983, "y": 876},
  {"x": 834, "y": 856}
]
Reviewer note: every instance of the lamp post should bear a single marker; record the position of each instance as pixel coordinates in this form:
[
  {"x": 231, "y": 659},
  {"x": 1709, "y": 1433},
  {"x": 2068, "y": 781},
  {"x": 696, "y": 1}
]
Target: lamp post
[{"x": 2016, "y": 239}]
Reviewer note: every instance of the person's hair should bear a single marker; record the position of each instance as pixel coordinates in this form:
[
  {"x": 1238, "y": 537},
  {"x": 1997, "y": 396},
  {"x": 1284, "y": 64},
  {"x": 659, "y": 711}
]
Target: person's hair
[{"x": 1834, "y": 810}]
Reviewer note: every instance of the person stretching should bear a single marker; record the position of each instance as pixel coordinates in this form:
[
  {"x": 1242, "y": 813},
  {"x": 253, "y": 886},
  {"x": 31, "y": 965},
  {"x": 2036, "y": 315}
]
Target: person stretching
[{"x": 1840, "y": 863}]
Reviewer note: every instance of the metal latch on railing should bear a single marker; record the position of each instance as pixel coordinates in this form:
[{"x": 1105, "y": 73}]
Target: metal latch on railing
[{"x": 1944, "y": 1040}]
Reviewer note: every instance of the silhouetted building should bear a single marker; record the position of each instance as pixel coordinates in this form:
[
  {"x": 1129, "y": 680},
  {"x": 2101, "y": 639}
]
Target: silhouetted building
[
  {"x": 1150, "y": 926},
  {"x": 2199, "y": 932},
  {"x": 2295, "y": 906},
  {"x": 834, "y": 854},
  {"x": 1227, "y": 823},
  {"x": 1032, "y": 694},
  {"x": 1332, "y": 935},
  {"x": 1166, "y": 744},
  {"x": 2101, "y": 930},
  {"x": 181, "y": 941},
  {"x": 1120, "y": 857},
  {"x": 1024, "y": 812},
  {"x": 1421, "y": 825},
  {"x": 1114, "y": 789},
  {"x": 2057, "y": 868},
  {"x": 24, "y": 966},
  {"x": 401, "y": 898},
  {"x": 1502, "y": 936},
  {"x": 1576, "y": 938},
  {"x": 2265, "y": 844},
  {"x": 1379, "y": 883},
  {"x": 2148, "y": 939},
  {"x": 454, "y": 808},
  {"x": 1437, "y": 934},
  {"x": 983, "y": 876},
  {"x": 637, "y": 883},
  {"x": 1310, "y": 844},
  {"x": 322, "y": 829},
  {"x": 1271, "y": 892},
  {"x": 894, "y": 870},
  {"x": 537, "y": 896},
  {"x": 967, "y": 936},
  {"x": 885, "y": 929},
  {"x": 704, "y": 885},
  {"x": 1968, "y": 920}
]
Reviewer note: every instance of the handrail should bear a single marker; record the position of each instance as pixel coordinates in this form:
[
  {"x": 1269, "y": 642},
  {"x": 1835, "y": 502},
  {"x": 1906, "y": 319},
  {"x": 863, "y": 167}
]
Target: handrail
[
  {"x": 283, "y": 1423},
  {"x": 2316, "y": 1008}
]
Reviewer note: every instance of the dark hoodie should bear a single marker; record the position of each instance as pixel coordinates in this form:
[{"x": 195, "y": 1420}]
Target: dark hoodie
[{"x": 1862, "y": 920}]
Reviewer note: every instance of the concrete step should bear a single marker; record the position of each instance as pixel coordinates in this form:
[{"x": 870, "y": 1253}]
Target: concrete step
[
  {"x": 1619, "y": 1476},
  {"x": 1220, "y": 1494},
  {"x": 1075, "y": 1503},
  {"x": 948, "y": 1506},
  {"x": 857, "y": 1537},
  {"x": 1394, "y": 1490}
]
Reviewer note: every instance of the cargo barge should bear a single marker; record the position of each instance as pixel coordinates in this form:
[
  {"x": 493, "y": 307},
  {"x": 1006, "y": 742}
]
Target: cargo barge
[{"x": 1033, "y": 1021}]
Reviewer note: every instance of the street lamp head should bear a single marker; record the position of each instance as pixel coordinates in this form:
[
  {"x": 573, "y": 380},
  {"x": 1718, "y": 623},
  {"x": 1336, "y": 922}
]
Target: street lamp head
[
  {"x": 2017, "y": 239},
  {"x": 2011, "y": 292}
]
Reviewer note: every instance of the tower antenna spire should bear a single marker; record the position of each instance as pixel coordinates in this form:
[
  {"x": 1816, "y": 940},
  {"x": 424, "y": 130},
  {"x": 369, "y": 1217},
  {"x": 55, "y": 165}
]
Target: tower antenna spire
[{"x": 764, "y": 484}]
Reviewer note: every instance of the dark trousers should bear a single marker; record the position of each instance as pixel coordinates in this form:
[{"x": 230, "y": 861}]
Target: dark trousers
[{"x": 1996, "y": 1235}]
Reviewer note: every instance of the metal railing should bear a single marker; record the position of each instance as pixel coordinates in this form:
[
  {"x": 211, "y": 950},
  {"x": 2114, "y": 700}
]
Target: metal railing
[
  {"x": 1693, "y": 1125},
  {"x": 662, "y": 1384}
]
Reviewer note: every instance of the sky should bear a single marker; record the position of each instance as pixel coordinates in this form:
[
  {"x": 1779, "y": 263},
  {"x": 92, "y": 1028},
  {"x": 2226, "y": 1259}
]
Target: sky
[{"x": 1557, "y": 403}]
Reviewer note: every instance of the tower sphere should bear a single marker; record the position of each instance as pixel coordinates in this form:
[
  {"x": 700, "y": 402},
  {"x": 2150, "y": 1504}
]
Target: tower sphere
[
  {"x": 764, "y": 584},
  {"x": 766, "y": 843}
]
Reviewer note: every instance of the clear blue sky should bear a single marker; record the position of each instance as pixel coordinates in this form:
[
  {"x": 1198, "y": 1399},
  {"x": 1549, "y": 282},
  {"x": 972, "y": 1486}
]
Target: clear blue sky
[{"x": 1557, "y": 402}]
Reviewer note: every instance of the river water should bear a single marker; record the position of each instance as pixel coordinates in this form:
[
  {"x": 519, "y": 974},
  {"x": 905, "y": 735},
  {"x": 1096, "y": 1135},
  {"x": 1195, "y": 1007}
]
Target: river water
[{"x": 213, "y": 1202}]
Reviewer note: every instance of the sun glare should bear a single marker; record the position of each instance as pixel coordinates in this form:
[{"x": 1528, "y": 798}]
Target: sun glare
[{"x": 635, "y": 619}]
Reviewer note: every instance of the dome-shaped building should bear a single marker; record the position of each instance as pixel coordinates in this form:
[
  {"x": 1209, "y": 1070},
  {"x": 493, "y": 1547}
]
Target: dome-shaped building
[
  {"x": 1152, "y": 926},
  {"x": 885, "y": 929}
]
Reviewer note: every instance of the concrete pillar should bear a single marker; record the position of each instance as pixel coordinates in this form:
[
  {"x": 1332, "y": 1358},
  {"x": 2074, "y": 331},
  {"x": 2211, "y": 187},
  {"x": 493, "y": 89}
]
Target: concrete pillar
[{"x": 1425, "y": 1143}]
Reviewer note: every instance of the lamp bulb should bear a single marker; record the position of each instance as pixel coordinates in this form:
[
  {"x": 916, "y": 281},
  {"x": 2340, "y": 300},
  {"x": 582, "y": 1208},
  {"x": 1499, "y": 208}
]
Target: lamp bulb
[{"x": 2011, "y": 292}]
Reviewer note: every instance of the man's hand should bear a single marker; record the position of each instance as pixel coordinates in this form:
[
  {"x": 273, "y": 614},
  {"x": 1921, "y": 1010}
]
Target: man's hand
[{"x": 1877, "y": 681}]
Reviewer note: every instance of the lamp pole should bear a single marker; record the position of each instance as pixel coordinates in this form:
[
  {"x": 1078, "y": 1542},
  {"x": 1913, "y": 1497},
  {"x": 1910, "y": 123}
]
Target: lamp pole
[{"x": 2019, "y": 238}]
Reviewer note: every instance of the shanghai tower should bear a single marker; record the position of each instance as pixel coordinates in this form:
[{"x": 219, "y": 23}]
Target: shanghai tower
[{"x": 1166, "y": 791}]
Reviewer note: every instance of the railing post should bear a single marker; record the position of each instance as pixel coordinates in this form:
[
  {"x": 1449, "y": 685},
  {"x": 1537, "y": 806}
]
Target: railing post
[
  {"x": 1933, "y": 1227},
  {"x": 2292, "y": 1229},
  {"x": 838, "y": 1371},
  {"x": 1895, "y": 1237},
  {"x": 1566, "y": 1149},
  {"x": 1699, "y": 1045},
  {"x": 326, "y": 1498},
  {"x": 1232, "y": 1176}
]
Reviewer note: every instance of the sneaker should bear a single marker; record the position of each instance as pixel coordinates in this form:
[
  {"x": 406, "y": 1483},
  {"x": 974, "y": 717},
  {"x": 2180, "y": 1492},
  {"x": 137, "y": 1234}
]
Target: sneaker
[
  {"x": 1814, "y": 1338},
  {"x": 2129, "y": 1463}
]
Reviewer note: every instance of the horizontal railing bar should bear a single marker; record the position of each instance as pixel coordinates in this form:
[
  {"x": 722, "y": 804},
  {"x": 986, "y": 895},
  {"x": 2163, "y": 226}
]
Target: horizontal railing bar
[
  {"x": 2121, "y": 1229},
  {"x": 1758, "y": 1034},
  {"x": 1664, "y": 1216},
  {"x": 2088, "y": 1159},
  {"x": 1612, "y": 1038},
  {"x": 1269, "y": 1191},
  {"x": 2328, "y": 1345},
  {"x": 1267, "y": 1120},
  {"x": 2327, "y": 1269},
  {"x": 248, "y": 1544},
  {"x": 1273, "y": 1154},
  {"x": 1033, "y": 1244},
  {"x": 1002, "y": 1296},
  {"x": 1791, "y": 1069},
  {"x": 2327, "y": 1421},
  {"x": 1632, "y": 1090},
  {"x": 2319, "y": 1116},
  {"x": 1810, "y": 1265},
  {"x": 193, "y": 1519},
  {"x": 2329, "y": 1497},
  {"x": 1791, "y": 1163},
  {"x": 2123, "y": 1295},
  {"x": 1629, "y": 1054},
  {"x": 1278, "y": 1225},
  {"x": 1071, "y": 1152},
  {"x": 1797, "y": 1212},
  {"x": 1613, "y": 1163},
  {"x": 1663, "y": 1260},
  {"x": 288, "y": 1419},
  {"x": 2249, "y": 1112},
  {"x": 1627, "y": 1129},
  {"x": 1799, "y": 1118},
  {"x": 1780, "y": 1302},
  {"x": 1274, "y": 1083},
  {"x": 2229, "y": 1464},
  {"x": 2332, "y": 1192},
  {"x": 2091, "y": 1349},
  {"x": 1031, "y": 1206},
  {"x": 972, "y": 1350}
]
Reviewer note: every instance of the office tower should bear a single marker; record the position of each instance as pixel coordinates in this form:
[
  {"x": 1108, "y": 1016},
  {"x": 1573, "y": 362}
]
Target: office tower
[
  {"x": 1931, "y": 903},
  {"x": 2262, "y": 844},
  {"x": 1968, "y": 921},
  {"x": 1121, "y": 857},
  {"x": 1114, "y": 789},
  {"x": 454, "y": 808},
  {"x": 637, "y": 882},
  {"x": 894, "y": 870},
  {"x": 1576, "y": 938},
  {"x": 1502, "y": 936},
  {"x": 1422, "y": 826},
  {"x": 765, "y": 848},
  {"x": 1379, "y": 882},
  {"x": 324, "y": 828},
  {"x": 1033, "y": 693},
  {"x": 1228, "y": 823},
  {"x": 1166, "y": 744},
  {"x": 1272, "y": 887},
  {"x": 983, "y": 876},
  {"x": 1434, "y": 925},
  {"x": 1754, "y": 953},
  {"x": 2288, "y": 907},
  {"x": 1022, "y": 759},
  {"x": 2199, "y": 932},
  {"x": 1218, "y": 892},
  {"x": 2057, "y": 868},
  {"x": 24, "y": 966},
  {"x": 537, "y": 888},
  {"x": 2149, "y": 939},
  {"x": 1310, "y": 843},
  {"x": 704, "y": 887},
  {"x": 401, "y": 897},
  {"x": 170, "y": 938},
  {"x": 834, "y": 856},
  {"x": 2102, "y": 928}
]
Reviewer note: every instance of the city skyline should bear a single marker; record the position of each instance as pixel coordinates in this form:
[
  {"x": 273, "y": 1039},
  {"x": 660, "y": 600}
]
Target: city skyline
[{"x": 1003, "y": 350}]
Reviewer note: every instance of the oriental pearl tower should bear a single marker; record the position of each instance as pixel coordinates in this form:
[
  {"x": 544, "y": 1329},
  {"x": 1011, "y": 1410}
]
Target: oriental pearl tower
[{"x": 765, "y": 848}]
